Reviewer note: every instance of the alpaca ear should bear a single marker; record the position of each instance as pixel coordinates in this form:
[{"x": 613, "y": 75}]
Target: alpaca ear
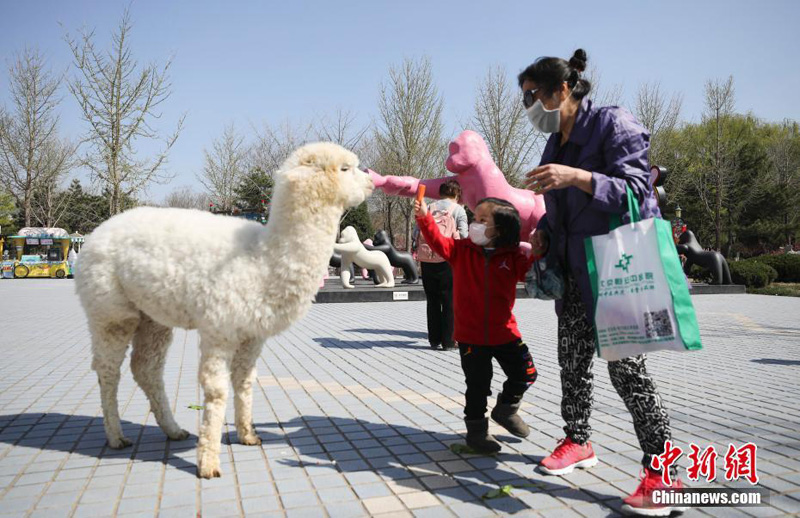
[
  {"x": 311, "y": 183},
  {"x": 298, "y": 175}
]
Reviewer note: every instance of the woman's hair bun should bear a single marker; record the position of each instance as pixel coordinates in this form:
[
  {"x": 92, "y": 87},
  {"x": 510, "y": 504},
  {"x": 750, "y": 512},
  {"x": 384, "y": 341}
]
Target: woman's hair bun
[{"x": 578, "y": 60}]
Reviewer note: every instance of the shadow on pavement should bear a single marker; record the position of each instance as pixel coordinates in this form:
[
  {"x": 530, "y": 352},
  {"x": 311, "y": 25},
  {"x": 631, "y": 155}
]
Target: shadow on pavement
[
  {"x": 335, "y": 343},
  {"x": 393, "y": 332},
  {"x": 776, "y": 361},
  {"x": 362, "y": 451},
  {"x": 84, "y": 435}
]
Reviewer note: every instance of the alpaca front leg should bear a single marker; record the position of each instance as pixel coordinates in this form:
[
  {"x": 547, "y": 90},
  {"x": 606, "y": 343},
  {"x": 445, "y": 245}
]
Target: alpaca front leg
[
  {"x": 243, "y": 373},
  {"x": 214, "y": 375}
]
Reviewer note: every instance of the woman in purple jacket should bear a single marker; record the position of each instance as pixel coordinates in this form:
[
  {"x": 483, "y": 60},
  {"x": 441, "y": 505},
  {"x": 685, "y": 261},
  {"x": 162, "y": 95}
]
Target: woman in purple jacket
[{"x": 592, "y": 156}]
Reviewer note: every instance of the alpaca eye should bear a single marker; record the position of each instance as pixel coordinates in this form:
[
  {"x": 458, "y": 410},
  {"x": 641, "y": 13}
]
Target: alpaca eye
[{"x": 345, "y": 168}]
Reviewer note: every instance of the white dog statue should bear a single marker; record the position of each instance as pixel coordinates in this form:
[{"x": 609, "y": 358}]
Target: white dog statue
[{"x": 353, "y": 251}]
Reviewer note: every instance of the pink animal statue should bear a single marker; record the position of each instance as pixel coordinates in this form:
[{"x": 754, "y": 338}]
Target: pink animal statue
[{"x": 479, "y": 178}]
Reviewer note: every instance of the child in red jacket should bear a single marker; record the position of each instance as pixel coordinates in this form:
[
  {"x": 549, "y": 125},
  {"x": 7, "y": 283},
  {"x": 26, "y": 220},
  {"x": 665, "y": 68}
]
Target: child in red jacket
[{"x": 486, "y": 269}]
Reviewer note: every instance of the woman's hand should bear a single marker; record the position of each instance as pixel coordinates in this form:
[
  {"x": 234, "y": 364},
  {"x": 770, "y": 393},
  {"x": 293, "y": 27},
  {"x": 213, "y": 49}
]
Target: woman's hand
[
  {"x": 548, "y": 177},
  {"x": 540, "y": 242},
  {"x": 420, "y": 208}
]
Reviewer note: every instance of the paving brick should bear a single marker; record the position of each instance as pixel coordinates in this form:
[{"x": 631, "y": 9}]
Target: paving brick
[
  {"x": 260, "y": 504},
  {"x": 337, "y": 494},
  {"x": 346, "y": 510},
  {"x": 383, "y": 504},
  {"x": 419, "y": 499}
]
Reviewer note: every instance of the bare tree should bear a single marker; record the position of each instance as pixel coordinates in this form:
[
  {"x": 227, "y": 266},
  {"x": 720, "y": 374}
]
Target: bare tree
[
  {"x": 500, "y": 117},
  {"x": 602, "y": 96},
  {"x": 225, "y": 165},
  {"x": 186, "y": 198},
  {"x": 659, "y": 115},
  {"x": 275, "y": 143},
  {"x": 32, "y": 156},
  {"x": 409, "y": 137},
  {"x": 120, "y": 102},
  {"x": 341, "y": 129},
  {"x": 715, "y": 182},
  {"x": 50, "y": 202}
]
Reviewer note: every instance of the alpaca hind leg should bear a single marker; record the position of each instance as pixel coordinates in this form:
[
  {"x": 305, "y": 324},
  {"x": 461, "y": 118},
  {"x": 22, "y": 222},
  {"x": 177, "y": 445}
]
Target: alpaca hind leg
[
  {"x": 243, "y": 373},
  {"x": 150, "y": 345},
  {"x": 109, "y": 344},
  {"x": 214, "y": 377}
]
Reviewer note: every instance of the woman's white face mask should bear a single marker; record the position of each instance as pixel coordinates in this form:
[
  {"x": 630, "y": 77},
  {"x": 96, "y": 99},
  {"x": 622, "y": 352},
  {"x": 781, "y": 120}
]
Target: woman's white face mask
[{"x": 544, "y": 120}]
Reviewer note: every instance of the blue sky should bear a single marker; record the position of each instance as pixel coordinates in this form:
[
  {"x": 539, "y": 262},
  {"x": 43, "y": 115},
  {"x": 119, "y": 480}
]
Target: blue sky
[{"x": 255, "y": 62}]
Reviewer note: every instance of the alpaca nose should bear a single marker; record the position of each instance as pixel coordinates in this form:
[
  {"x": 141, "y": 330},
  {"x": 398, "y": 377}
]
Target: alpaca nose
[
  {"x": 453, "y": 148},
  {"x": 369, "y": 185}
]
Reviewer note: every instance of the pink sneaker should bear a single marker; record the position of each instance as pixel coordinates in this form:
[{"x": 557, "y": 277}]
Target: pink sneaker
[
  {"x": 567, "y": 456},
  {"x": 641, "y": 501}
]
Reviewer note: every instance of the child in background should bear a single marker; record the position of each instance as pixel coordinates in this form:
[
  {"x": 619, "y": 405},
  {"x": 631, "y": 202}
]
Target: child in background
[{"x": 486, "y": 269}]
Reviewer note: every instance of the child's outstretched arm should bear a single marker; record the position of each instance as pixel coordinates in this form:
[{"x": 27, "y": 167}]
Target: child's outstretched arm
[{"x": 444, "y": 246}]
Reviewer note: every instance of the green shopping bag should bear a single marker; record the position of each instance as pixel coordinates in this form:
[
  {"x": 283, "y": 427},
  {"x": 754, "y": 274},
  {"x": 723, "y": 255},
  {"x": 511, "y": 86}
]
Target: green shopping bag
[{"x": 642, "y": 300}]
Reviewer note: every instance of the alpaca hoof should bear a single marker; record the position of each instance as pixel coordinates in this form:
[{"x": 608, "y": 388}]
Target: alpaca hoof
[
  {"x": 208, "y": 473},
  {"x": 118, "y": 444},
  {"x": 181, "y": 435},
  {"x": 208, "y": 468},
  {"x": 250, "y": 440}
]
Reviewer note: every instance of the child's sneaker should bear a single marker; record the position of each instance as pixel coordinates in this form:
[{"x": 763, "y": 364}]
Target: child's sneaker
[
  {"x": 641, "y": 501},
  {"x": 567, "y": 456}
]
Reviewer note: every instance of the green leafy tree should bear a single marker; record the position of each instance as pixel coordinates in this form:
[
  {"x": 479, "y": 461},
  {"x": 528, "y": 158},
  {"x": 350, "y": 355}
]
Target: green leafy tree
[
  {"x": 359, "y": 219},
  {"x": 756, "y": 198},
  {"x": 8, "y": 211},
  {"x": 783, "y": 150},
  {"x": 254, "y": 189},
  {"x": 86, "y": 211}
]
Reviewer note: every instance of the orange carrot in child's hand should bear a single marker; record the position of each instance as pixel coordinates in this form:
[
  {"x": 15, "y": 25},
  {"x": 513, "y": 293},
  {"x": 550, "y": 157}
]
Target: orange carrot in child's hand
[{"x": 420, "y": 193}]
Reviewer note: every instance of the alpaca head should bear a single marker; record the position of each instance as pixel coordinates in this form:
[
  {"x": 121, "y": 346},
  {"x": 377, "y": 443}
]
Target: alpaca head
[{"x": 326, "y": 174}]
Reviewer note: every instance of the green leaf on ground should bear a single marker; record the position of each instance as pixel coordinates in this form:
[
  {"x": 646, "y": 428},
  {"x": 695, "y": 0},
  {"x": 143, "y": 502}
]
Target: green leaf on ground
[
  {"x": 500, "y": 492},
  {"x": 196, "y": 407},
  {"x": 459, "y": 449},
  {"x": 463, "y": 449}
]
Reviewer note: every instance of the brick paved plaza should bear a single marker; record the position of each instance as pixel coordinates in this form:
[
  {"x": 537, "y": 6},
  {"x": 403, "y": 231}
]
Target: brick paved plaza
[{"x": 357, "y": 414}]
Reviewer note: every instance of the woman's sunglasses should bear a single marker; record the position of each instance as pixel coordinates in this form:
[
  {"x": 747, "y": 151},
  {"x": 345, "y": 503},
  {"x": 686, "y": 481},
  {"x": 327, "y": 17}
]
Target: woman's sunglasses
[{"x": 529, "y": 97}]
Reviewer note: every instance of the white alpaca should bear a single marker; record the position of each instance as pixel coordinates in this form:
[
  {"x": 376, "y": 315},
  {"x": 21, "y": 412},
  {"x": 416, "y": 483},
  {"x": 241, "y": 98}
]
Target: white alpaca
[
  {"x": 148, "y": 270},
  {"x": 353, "y": 251}
]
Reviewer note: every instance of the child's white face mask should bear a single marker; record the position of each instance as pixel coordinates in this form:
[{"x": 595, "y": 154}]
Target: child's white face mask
[{"x": 477, "y": 233}]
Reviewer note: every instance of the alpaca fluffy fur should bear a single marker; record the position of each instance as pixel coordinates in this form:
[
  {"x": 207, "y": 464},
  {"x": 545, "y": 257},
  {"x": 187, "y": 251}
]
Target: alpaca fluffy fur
[{"x": 146, "y": 271}]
